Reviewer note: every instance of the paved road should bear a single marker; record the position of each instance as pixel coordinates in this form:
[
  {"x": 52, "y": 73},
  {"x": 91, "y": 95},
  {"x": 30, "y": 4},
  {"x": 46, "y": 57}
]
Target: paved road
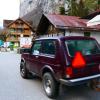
[{"x": 13, "y": 87}]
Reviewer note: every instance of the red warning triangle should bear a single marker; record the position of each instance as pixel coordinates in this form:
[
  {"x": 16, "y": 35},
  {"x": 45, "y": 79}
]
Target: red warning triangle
[{"x": 78, "y": 61}]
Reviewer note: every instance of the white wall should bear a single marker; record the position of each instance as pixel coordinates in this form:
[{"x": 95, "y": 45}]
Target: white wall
[
  {"x": 96, "y": 35},
  {"x": 74, "y": 33}
]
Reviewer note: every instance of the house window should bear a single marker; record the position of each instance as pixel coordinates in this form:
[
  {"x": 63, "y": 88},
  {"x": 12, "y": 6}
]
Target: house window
[
  {"x": 87, "y": 34},
  {"x": 12, "y": 37},
  {"x": 26, "y": 35},
  {"x": 12, "y": 30},
  {"x": 20, "y": 25},
  {"x": 20, "y": 30}
]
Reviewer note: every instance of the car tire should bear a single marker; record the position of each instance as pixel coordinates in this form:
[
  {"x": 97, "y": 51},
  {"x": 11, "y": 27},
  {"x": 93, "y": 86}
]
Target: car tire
[
  {"x": 50, "y": 85},
  {"x": 24, "y": 71}
]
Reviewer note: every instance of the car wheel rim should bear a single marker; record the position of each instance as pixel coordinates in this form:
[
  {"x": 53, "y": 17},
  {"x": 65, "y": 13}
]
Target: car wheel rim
[
  {"x": 47, "y": 85},
  {"x": 22, "y": 69}
]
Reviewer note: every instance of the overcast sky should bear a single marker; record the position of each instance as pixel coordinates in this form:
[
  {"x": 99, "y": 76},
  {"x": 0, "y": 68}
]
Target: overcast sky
[{"x": 9, "y": 9}]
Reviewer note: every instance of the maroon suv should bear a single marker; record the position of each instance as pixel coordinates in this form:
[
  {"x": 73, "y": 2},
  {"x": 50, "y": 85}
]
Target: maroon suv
[{"x": 68, "y": 60}]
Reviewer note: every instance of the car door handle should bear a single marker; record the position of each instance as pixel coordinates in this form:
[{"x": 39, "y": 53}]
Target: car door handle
[{"x": 36, "y": 56}]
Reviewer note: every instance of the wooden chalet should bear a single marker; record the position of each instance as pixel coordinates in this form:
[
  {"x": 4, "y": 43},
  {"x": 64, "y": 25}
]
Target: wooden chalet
[
  {"x": 16, "y": 29},
  {"x": 53, "y": 25}
]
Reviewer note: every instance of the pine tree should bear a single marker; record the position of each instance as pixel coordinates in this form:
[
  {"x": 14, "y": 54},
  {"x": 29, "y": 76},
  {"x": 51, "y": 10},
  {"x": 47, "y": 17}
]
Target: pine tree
[{"x": 82, "y": 7}]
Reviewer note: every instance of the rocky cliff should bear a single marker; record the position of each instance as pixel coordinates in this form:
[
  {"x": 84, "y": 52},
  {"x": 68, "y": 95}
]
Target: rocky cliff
[{"x": 35, "y": 8}]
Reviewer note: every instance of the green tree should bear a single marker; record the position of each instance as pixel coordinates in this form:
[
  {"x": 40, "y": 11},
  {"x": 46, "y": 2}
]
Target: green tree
[
  {"x": 98, "y": 7},
  {"x": 3, "y": 34},
  {"x": 62, "y": 10},
  {"x": 91, "y": 5},
  {"x": 81, "y": 7}
]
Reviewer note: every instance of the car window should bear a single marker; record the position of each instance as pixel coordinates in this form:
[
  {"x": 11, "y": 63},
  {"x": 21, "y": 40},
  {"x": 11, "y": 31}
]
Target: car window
[
  {"x": 49, "y": 47},
  {"x": 36, "y": 47},
  {"x": 86, "y": 47}
]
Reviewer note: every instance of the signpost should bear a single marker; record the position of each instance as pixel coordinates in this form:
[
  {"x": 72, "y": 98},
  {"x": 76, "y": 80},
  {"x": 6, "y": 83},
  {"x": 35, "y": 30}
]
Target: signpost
[{"x": 25, "y": 41}]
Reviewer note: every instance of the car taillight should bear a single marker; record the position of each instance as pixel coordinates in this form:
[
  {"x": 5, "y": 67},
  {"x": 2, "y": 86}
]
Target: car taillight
[
  {"x": 78, "y": 61},
  {"x": 69, "y": 72}
]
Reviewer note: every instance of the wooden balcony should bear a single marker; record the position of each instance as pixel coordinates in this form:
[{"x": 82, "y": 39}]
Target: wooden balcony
[
  {"x": 12, "y": 39},
  {"x": 15, "y": 33},
  {"x": 18, "y": 33},
  {"x": 19, "y": 26},
  {"x": 28, "y": 33}
]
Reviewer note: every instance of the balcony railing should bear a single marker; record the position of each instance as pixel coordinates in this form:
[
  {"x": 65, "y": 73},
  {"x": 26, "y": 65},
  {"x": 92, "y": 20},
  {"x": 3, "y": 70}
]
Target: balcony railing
[{"x": 12, "y": 39}]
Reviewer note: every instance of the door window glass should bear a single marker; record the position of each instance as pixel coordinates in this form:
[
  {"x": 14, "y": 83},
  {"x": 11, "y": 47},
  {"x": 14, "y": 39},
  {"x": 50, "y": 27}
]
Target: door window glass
[
  {"x": 86, "y": 47},
  {"x": 49, "y": 47},
  {"x": 36, "y": 47}
]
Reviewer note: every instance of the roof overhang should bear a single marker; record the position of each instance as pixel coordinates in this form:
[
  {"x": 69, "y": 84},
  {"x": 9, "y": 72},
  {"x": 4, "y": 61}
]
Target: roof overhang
[{"x": 94, "y": 21}]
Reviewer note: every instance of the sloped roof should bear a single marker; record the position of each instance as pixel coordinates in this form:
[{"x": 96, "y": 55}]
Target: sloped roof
[
  {"x": 64, "y": 22},
  {"x": 22, "y": 21},
  {"x": 6, "y": 22}
]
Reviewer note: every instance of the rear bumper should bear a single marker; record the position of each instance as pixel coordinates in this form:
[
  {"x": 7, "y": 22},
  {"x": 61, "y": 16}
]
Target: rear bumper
[{"x": 78, "y": 81}]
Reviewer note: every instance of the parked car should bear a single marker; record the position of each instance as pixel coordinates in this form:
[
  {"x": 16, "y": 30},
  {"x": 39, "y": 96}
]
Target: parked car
[{"x": 67, "y": 60}]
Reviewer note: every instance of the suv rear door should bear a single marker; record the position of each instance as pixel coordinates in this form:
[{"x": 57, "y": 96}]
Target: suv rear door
[{"x": 90, "y": 51}]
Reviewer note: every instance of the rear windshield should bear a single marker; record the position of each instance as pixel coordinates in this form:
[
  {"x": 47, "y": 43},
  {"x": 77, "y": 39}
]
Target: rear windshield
[{"x": 86, "y": 47}]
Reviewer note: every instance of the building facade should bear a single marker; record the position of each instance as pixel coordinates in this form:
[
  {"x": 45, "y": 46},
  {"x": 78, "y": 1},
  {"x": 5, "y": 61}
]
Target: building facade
[
  {"x": 61, "y": 25},
  {"x": 17, "y": 29}
]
